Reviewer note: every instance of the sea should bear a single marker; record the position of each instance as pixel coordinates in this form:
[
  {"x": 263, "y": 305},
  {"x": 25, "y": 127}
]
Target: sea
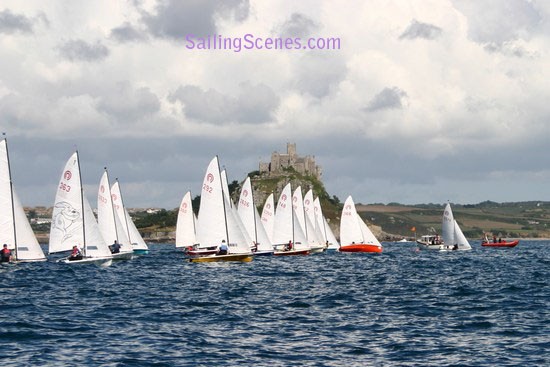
[{"x": 403, "y": 307}]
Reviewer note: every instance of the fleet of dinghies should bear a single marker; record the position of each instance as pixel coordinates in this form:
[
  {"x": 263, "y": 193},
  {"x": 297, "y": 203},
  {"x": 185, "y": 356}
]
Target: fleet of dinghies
[{"x": 222, "y": 231}]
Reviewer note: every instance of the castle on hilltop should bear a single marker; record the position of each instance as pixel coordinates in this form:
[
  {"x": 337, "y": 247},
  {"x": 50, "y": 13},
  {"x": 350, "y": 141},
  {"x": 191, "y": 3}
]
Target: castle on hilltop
[{"x": 279, "y": 161}]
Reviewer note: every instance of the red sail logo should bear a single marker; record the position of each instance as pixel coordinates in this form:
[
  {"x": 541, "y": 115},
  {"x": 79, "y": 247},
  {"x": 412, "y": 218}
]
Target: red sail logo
[
  {"x": 245, "y": 193},
  {"x": 102, "y": 189},
  {"x": 210, "y": 178},
  {"x": 67, "y": 175}
]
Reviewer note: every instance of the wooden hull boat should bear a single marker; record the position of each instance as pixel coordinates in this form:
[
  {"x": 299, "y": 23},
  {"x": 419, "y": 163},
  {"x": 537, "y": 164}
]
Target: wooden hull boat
[
  {"x": 360, "y": 247},
  {"x": 500, "y": 244}
]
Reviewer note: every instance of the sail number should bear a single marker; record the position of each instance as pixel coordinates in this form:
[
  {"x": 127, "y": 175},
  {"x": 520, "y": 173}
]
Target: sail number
[
  {"x": 207, "y": 188},
  {"x": 244, "y": 203},
  {"x": 64, "y": 187}
]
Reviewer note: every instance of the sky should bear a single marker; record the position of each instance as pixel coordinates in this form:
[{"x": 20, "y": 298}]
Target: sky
[{"x": 424, "y": 101}]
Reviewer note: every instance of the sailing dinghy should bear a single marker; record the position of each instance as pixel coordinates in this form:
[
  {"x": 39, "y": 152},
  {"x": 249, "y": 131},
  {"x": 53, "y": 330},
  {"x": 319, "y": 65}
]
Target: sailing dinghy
[
  {"x": 451, "y": 239},
  {"x": 109, "y": 222},
  {"x": 217, "y": 222},
  {"x": 15, "y": 230},
  {"x": 74, "y": 223},
  {"x": 138, "y": 244},
  {"x": 252, "y": 222},
  {"x": 355, "y": 236}
]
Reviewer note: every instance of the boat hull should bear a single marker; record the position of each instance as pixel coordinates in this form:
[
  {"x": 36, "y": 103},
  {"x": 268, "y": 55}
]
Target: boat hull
[
  {"x": 123, "y": 256},
  {"x": 263, "y": 253},
  {"x": 428, "y": 246},
  {"x": 291, "y": 252},
  {"x": 361, "y": 247},
  {"x": 318, "y": 249},
  {"x": 220, "y": 258},
  {"x": 500, "y": 244},
  {"x": 102, "y": 262}
]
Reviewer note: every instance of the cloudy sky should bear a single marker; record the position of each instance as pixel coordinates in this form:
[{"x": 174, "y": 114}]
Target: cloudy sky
[{"x": 425, "y": 101}]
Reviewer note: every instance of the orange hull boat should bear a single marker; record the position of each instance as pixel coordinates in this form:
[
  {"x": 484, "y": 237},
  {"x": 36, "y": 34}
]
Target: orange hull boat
[
  {"x": 360, "y": 247},
  {"x": 500, "y": 244}
]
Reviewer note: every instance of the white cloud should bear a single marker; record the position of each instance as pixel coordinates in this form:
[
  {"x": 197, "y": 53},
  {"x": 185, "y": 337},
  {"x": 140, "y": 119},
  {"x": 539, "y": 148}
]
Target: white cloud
[{"x": 416, "y": 87}]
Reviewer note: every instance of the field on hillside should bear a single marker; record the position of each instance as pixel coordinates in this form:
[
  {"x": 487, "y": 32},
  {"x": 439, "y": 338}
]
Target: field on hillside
[{"x": 525, "y": 219}]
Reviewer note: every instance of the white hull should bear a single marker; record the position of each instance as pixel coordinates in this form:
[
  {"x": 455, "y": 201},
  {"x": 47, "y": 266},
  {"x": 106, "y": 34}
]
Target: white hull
[
  {"x": 123, "y": 256},
  {"x": 103, "y": 262},
  {"x": 317, "y": 249}
]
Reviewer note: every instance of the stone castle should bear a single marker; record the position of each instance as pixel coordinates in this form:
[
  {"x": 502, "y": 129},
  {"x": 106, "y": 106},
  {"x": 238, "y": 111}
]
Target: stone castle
[{"x": 279, "y": 161}]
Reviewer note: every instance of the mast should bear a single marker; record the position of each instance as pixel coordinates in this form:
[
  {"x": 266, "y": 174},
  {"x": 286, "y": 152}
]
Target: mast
[
  {"x": 81, "y": 202},
  {"x": 123, "y": 209},
  {"x": 11, "y": 198},
  {"x": 292, "y": 218}
]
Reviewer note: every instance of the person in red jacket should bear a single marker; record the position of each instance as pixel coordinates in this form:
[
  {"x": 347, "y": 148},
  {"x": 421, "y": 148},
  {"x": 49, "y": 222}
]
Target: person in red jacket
[{"x": 5, "y": 254}]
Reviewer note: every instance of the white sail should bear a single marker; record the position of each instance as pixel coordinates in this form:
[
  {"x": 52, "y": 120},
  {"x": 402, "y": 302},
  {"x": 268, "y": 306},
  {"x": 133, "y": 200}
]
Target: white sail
[
  {"x": 309, "y": 207},
  {"x": 352, "y": 227},
  {"x": 368, "y": 237},
  {"x": 448, "y": 226},
  {"x": 251, "y": 219},
  {"x": 268, "y": 216},
  {"x": 283, "y": 225},
  {"x": 185, "y": 226},
  {"x": 73, "y": 222},
  {"x": 15, "y": 230},
  {"x": 225, "y": 187},
  {"x": 245, "y": 208},
  {"x": 211, "y": 228},
  {"x": 264, "y": 243},
  {"x": 127, "y": 223},
  {"x": 298, "y": 205},
  {"x": 461, "y": 240},
  {"x": 238, "y": 240},
  {"x": 109, "y": 223},
  {"x": 233, "y": 208},
  {"x": 94, "y": 244},
  {"x": 330, "y": 237},
  {"x": 350, "y": 231},
  {"x": 287, "y": 226}
]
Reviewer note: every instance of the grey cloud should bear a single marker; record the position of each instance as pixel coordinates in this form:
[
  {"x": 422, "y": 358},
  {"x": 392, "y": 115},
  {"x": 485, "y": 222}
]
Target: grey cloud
[
  {"x": 79, "y": 50},
  {"x": 498, "y": 21},
  {"x": 175, "y": 19},
  {"x": 128, "y": 33},
  {"x": 509, "y": 49},
  {"x": 254, "y": 104},
  {"x": 318, "y": 72},
  {"x": 11, "y": 23},
  {"x": 388, "y": 98},
  {"x": 127, "y": 104},
  {"x": 298, "y": 25},
  {"x": 421, "y": 30}
]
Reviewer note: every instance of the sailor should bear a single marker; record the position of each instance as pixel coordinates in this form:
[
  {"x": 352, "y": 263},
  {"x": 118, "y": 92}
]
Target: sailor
[
  {"x": 115, "y": 247},
  {"x": 5, "y": 254},
  {"x": 223, "y": 248},
  {"x": 75, "y": 254},
  {"x": 288, "y": 246}
]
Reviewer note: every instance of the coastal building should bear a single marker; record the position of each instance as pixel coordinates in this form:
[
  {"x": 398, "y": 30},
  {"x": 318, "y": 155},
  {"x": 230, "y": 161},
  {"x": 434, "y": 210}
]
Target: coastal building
[{"x": 281, "y": 161}]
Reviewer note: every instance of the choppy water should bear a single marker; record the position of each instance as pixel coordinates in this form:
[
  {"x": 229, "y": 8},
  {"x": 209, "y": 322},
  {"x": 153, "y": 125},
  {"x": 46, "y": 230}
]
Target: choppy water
[{"x": 485, "y": 307}]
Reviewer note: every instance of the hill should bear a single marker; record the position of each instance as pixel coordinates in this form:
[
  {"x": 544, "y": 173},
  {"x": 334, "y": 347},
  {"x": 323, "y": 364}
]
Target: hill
[{"x": 516, "y": 219}]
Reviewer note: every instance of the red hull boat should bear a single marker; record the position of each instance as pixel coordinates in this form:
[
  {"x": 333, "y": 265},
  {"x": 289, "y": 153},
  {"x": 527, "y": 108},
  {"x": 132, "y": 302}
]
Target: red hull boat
[
  {"x": 360, "y": 247},
  {"x": 500, "y": 244}
]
